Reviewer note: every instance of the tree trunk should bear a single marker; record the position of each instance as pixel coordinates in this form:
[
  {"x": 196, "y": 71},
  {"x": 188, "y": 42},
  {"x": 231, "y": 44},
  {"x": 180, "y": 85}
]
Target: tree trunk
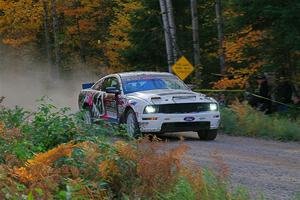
[
  {"x": 196, "y": 45},
  {"x": 46, "y": 31},
  {"x": 76, "y": 4},
  {"x": 167, "y": 34},
  {"x": 81, "y": 45},
  {"x": 55, "y": 36},
  {"x": 172, "y": 29},
  {"x": 220, "y": 27}
]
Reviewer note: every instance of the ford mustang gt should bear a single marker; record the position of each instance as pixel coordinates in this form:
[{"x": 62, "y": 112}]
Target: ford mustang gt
[{"x": 150, "y": 102}]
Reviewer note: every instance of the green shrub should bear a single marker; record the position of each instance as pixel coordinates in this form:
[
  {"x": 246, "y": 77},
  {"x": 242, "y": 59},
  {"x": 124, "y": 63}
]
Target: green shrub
[
  {"x": 241, "y": 119},
  {"x": 182, "y": 190},
  {"x": 31, "y": 132},
  {"x": 50, "y": 154},
  {"x": 13, "y": 118},
  {"x": 213, "y": 188}
]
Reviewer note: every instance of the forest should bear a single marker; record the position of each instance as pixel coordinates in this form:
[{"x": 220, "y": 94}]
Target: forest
[{"x": 124, "y": 35}]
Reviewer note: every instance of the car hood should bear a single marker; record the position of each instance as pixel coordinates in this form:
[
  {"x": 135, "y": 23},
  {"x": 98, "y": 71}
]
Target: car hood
[{"x": 170, "y": 96}]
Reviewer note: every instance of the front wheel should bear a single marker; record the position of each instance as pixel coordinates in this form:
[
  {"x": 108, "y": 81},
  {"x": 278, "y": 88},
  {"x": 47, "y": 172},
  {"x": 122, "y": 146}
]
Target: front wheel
[
  {"x": 208, "y": 135},
  {"x": 132, "y": 124}
]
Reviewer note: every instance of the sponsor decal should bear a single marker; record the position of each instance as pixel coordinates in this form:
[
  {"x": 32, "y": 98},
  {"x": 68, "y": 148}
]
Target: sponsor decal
[
  {"x": 189, "y": 119},
  {"x": 90, "y": 100}
]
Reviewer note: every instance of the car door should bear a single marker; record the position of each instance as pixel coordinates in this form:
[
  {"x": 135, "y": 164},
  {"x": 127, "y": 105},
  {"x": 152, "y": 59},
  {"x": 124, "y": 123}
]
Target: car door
[
  {"x": 97, "y": 101},
  {"x": 110, "y": 99}
]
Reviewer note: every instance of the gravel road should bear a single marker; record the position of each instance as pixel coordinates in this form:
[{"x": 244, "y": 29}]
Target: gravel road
[{"x": 263, "y": 166}]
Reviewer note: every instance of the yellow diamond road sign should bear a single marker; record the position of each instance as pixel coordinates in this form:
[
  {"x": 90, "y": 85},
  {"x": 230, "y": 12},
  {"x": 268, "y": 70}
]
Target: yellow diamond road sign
[{"x": 182, "y": 68}]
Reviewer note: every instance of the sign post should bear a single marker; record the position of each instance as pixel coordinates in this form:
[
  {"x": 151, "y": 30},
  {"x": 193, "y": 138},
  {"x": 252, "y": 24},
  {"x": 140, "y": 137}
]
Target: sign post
[{"x": 182, "y": 68}]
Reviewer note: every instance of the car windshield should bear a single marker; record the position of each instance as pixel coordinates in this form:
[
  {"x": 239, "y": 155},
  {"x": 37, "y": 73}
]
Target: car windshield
[{"x": 145, "y": 83}]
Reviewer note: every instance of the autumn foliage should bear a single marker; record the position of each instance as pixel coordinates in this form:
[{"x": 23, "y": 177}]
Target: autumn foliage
[
  {"x": 119, "y": 29},
  {"x": 241, "y": 66},
  {"x": 120, "y": 35},
  {"x": 136, "y": 169},
  {"x": 20, "y": 21},
  {"x": 94, "y": 31}
]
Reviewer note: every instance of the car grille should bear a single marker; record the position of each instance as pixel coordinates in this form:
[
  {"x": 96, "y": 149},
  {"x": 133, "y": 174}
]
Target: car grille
[
  {"x": 184, "y": 108},
  {"x": 185, "y": 126}
]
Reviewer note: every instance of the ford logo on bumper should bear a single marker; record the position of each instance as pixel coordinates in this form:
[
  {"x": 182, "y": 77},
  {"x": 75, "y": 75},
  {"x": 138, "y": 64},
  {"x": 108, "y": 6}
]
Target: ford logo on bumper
[{"x": 189, "y": 119}]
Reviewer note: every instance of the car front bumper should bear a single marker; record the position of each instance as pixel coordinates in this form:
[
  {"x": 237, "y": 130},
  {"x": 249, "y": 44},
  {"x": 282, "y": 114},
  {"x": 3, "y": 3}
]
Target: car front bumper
[{"x": 157, "y": 123}]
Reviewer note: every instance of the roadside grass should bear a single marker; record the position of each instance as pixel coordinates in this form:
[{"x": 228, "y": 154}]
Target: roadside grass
[
  {"x": 241, "y": 119},
  {"x": 49, "y": 154}
]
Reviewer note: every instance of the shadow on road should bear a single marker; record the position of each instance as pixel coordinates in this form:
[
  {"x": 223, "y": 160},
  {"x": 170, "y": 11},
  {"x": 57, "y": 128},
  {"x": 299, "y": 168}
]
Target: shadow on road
[{"x": 175, "y": 137}]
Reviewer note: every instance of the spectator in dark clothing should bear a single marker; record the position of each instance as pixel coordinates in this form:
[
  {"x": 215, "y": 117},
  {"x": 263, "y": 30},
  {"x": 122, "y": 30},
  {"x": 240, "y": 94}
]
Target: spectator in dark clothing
[
  {"x": 283, "y": 94},
  {"x": 222, "y": 100},
  {"x": 261, "y": 101}
]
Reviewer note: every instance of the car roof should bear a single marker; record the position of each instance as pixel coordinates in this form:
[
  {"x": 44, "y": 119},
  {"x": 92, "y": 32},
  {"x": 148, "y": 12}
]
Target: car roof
[{"x": 128, "y": 74}]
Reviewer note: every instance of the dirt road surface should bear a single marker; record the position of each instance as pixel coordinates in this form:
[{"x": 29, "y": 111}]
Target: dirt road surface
[{"x": 264, "y": 167}]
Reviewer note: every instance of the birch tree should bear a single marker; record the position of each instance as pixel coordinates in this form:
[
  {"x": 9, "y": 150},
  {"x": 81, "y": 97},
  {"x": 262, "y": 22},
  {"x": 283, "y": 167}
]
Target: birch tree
[
  {"x": 168, "y": 38},
  {"x": 220, "y": 36},
  {"x": 172, "y": 29},
  {"x": 196, "y": 46}
]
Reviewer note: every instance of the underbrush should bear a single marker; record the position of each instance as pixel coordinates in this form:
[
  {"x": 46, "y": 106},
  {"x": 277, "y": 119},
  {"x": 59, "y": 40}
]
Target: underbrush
[
  {"x": 28, "y": 133},
  {"x": 242, "y": 119},
  {"x": 50, "y": 154}
]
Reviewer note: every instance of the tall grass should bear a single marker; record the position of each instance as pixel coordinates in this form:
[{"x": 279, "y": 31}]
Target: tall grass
[{"x": 241, "y": 119}]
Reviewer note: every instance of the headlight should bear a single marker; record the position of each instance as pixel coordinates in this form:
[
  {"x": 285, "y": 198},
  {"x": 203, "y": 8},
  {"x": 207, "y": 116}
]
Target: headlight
[
  {"x": 213, "y": 106},
  {"x": 151, "y": 109}
]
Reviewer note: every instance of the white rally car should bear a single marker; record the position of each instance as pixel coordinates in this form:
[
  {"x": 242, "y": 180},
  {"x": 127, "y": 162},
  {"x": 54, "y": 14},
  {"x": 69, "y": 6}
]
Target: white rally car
[{"x": 150, "y": 102}]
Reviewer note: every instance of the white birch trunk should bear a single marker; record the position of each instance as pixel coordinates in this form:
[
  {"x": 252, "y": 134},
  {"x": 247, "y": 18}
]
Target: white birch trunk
[
  {"x": 167, "y": 34},
  {"x": 220, "y": 36},
  {"x": 196, "y": 45},
  {"x": 172, "y": 28}
]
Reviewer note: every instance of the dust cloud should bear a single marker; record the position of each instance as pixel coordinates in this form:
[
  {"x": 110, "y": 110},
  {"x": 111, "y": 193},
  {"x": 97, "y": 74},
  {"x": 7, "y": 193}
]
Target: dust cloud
[{"x": 23, "y": 80}]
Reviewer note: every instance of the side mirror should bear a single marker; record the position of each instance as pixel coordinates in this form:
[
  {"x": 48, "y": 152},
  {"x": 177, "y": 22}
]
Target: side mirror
[
  {"x": 112, "y": 90},
  {"x": 87, "y": 85}
]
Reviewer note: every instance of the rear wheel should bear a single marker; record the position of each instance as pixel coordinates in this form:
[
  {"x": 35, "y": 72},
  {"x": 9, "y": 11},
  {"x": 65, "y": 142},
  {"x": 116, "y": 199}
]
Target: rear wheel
[
  {"x": 132, "y": 124},
  {"x": 208, "y": 134}
]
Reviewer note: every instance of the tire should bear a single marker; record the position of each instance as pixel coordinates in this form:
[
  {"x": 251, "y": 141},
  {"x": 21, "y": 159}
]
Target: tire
[
  {"x": 208, "y": 135},
  {"x": 87, "y": 116},
  {"x": 132, "y": 124}
]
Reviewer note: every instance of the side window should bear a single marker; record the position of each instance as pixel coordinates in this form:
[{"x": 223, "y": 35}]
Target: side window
[
  {"x": 110, "y": 82},
  {"x": 98, "y": 85},
  {"x": 114, "y": 83},
  {"x": 105, "y": 84}
]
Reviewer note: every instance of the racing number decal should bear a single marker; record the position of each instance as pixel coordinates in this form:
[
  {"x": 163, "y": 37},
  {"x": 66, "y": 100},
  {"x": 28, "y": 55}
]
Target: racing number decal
[{"x": 98, "y": 106}]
